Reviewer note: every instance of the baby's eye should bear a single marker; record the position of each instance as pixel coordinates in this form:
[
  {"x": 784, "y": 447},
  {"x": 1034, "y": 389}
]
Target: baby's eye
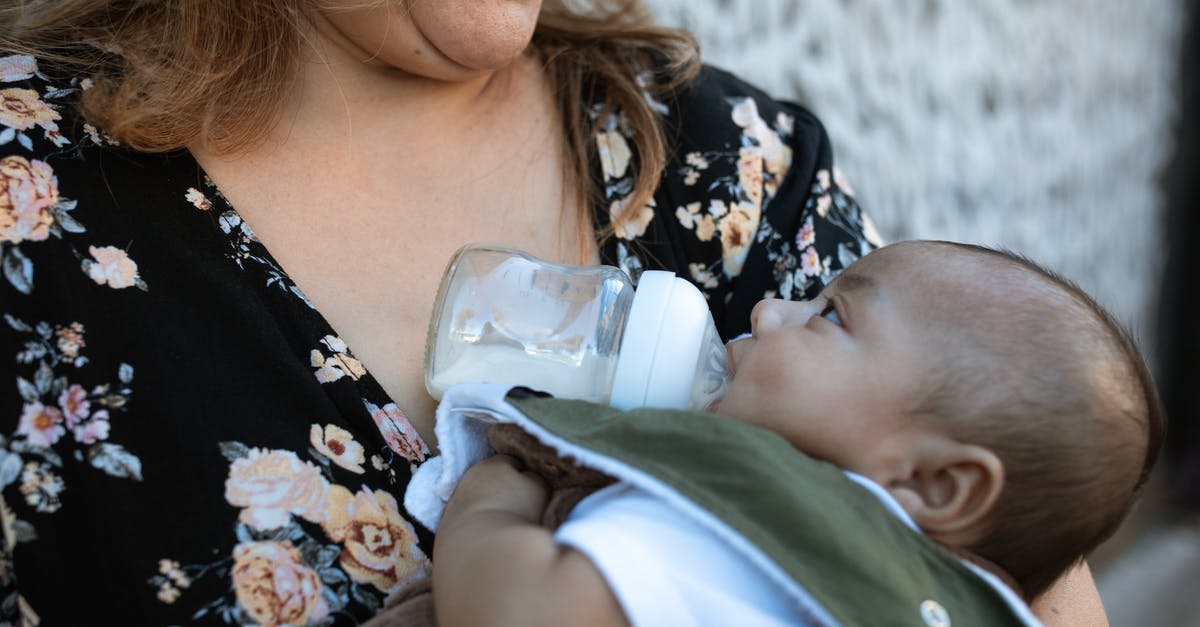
[{"x": 830, "y": 314}]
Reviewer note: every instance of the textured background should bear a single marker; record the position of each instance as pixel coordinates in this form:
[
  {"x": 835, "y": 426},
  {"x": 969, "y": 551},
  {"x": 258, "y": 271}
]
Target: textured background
[{"x": 1037, "y": 125}]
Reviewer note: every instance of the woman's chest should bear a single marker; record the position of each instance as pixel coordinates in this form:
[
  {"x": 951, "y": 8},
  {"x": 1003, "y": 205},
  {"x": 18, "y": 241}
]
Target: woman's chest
[{"x": 369, "y": 258}]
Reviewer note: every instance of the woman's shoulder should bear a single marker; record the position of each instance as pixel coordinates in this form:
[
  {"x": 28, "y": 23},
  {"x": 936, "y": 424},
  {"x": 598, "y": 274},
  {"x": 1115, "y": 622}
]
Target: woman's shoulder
[
  {"x": 36, "y": 130},
  {"x": 41, "y": 123},
  {"x": 39, "y": 110},
  {"x": 70, "y": 195},
  {"x": 45, "y": 141},
  {"x": 749, "y": 205},
  {"x": 718, "y": 103}
]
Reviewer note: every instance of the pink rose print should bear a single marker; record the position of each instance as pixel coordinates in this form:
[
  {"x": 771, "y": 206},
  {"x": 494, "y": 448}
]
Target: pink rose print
[
  {"x": 398, "y": 432},
  {"x": 74, "y": 404},
  {"x": 41, "y": 425}
]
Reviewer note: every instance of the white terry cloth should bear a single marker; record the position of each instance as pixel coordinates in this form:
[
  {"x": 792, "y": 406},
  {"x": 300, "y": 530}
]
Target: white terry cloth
[{"x": 463, "y": 418}]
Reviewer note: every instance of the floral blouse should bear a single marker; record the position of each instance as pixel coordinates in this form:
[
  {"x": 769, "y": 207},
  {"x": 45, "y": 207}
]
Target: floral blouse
[{"x": 185, "y": 438}]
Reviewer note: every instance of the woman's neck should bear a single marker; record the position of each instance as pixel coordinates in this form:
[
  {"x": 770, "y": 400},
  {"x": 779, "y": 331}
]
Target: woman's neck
[{"x": 350, "y": 107}]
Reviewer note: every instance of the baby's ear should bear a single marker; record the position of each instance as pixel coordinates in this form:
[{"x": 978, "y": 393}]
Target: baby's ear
[{"x": 948, "y": 488}]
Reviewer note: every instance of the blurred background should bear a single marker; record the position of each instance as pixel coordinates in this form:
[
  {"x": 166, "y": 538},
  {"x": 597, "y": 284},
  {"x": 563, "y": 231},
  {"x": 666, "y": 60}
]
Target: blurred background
[{"x": 1065, "y": 130}]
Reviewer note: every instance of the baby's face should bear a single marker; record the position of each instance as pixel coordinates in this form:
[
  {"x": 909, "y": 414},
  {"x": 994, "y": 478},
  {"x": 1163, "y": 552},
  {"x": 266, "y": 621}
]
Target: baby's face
[{"x": 835, "y": 375}]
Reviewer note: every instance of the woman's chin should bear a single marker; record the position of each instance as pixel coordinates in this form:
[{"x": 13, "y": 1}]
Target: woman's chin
[
  {"x": 478, "y": 38},
  {"x": 488, "y": 56}
]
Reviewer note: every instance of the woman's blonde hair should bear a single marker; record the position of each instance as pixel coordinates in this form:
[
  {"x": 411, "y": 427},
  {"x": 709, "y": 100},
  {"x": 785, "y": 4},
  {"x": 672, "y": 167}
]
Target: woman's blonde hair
[{"x": 172, "y": 72}]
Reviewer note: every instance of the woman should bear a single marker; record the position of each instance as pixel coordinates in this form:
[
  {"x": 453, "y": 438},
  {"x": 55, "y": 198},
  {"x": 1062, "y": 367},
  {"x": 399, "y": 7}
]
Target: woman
[{"x": 193, "y": 438}]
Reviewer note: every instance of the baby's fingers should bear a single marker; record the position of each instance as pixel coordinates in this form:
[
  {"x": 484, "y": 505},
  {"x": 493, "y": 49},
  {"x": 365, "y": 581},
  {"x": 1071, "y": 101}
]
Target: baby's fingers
[{"x": 499, "y": 483}]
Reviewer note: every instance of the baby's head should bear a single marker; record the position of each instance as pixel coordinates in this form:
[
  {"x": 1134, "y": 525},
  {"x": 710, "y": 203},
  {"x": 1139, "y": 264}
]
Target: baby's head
[{"x": 1004, "y": 409}]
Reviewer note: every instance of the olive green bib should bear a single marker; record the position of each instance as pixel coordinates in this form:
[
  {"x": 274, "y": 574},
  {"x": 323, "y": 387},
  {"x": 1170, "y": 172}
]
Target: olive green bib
[{"x": 827, "y": 534}]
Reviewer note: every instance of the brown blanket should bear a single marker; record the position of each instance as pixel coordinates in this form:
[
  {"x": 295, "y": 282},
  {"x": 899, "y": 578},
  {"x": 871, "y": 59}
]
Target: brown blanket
[{"x": 412, "y": 605}]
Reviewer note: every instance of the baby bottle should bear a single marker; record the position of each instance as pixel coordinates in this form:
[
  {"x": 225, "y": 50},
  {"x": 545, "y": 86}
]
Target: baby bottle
[{"x": 581, "y": 332}]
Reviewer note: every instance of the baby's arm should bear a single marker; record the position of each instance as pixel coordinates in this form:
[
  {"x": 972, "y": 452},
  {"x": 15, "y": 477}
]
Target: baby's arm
[{"x": 494, "y": 565}]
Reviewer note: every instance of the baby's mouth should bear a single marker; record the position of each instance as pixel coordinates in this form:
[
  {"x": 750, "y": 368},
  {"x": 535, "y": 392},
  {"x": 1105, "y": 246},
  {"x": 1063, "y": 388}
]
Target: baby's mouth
[{"x": 729, "y": 350}]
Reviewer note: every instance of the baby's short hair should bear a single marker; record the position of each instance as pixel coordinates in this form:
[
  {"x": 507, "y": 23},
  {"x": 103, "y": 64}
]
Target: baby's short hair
[{"x": 1040, "y": 374}]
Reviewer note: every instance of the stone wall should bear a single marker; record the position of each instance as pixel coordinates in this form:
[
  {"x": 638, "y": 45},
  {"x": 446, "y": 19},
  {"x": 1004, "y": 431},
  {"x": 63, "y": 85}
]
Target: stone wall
[{"x": 1037, "y": 125}]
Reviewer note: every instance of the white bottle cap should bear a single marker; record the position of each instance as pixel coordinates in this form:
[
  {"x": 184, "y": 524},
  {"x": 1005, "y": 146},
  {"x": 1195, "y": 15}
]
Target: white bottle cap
[{"x": 662, "y": 343}]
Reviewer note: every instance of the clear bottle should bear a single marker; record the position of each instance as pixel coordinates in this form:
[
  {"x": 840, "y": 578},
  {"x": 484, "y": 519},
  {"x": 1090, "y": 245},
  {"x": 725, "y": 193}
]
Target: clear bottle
[{"x": 582, "y": 332}]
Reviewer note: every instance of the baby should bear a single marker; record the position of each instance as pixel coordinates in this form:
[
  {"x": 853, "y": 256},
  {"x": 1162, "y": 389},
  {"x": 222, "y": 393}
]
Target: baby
[{"x": 989, "y": 402}]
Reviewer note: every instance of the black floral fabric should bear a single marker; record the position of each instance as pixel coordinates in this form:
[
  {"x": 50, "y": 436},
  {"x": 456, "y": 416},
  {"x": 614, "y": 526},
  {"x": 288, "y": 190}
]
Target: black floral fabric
[{"x": 183, "y": 436}]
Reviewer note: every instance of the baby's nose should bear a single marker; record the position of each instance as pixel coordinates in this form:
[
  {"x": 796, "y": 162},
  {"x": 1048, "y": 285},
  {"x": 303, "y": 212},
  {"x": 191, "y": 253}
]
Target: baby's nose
[{"x": 769, "y": 315}]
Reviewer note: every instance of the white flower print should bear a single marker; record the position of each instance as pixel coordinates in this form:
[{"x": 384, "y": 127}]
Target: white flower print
[
  {"x": 174, "y": 580},
  {"x": 112, "y": 266},
  {"x": 99, "y": 137},
  {"x": 760, "y": 181},
  {"x": 338, "y": 446},
  {"x": 706, "y": 227},
  {"x": 198, "y": 199},
  {"x": 750, "y": 174},
  {"x": 870, "y": 233},
  {"x": 823, "y": 202},
  {"x": 94, "y": 430},
  {"x": 247, "y": 251},
  {"x": 634, "y": 227},
  {"x": 167, "y": 593},
  {"x": 22, "y": 109},
  {"x": 334, "y": 343},
  {"x": 843, "y": 184},
  {"x": 745, "y": 113},
  {"x": 696, "y": 163},
  {"x": 629, "y": 262},
  {"x": 17, "y": 67},
  {"x": 687, "y": 215},
  {"x": 737, "y": 234},
  {"x": 69, "y": 340},
  {"x": 614, "y": 154},
  {"x": 340, "y": 364},
  {"x": 702, "y": 275},
  {"x": 274, "y": 484},
  {"x": 41, "y": 487},
  {"x": 784, "y": 123},
  {"x": 282, "y": 572}
]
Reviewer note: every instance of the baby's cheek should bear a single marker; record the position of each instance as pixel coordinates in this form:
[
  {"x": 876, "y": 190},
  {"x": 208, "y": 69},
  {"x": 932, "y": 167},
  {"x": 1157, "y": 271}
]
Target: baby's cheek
[{"x": 763, "y": 382}]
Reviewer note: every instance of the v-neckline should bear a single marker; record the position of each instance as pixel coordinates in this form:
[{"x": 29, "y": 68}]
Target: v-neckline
[{"x": 369, "y": 388}]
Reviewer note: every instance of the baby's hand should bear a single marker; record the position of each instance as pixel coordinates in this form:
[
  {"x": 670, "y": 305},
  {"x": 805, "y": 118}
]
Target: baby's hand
[
  {"x": 497, "y": 566},
  {"x": 499, "y": 483}
]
